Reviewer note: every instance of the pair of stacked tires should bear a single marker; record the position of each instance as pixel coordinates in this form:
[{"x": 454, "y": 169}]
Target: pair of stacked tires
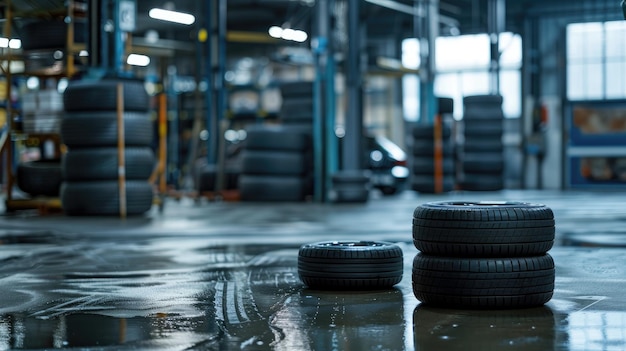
[
  {"x": 482, "y": 161},
  {"x": 483, "y": 255},
  {"x": 89, "y": 129},
  {"x": 274, "y": 164},
  {"x": 425, "y": 164}
]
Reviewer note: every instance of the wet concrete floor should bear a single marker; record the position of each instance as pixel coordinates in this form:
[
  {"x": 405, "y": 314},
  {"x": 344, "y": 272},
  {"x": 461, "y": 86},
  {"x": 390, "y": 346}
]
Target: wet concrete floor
[{"x": 223, "y": 276}]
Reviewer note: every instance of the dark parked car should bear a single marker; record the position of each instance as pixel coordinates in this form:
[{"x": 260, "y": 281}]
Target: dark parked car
[{"x": 387, "y": 163}]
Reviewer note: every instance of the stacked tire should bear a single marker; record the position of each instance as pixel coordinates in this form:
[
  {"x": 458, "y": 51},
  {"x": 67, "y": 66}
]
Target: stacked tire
[
  {"x": 425, "y": 165},
  {"x": 483, "y": 255},
  {"x": 274, "y": 164},
  {"x": 482, "y": 161},
  {"x": 89, "y": 129},
  {"x": 296, "y": 113}
]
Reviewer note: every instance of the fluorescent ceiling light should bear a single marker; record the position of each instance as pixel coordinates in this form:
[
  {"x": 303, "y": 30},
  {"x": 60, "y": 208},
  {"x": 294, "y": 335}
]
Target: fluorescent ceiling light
[
  {"x": 288, "y": 34},
  {"x": 172, "y": 16},
  {"x": 138, "y": 60},
  {"x": 4, "y": 42},
  {"x": 275, "y": 32},
  {"x": 15, "y": 43}
]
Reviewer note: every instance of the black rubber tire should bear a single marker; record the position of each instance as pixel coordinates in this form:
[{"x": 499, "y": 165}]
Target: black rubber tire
[
  {"x": 101, "y": 198},
  {"x": 482, "y": 107},
  {"x": 206, "y": 177},
  {"x": 445, "y": 105},
  {"x": 100, "y": 129},
  {"x": 483, "y": 229},
  {"x": 268, "y": 188},
  {"x": 482, "y": 182},
  {"x": 483, "y": 145},
  {"x": 426, "y": 183},
  {"x": 354, "y": 265},
  {"x": 296, "y": 89},
  {"x": 51, "y": 34},
  {"x": 265, "y": 137},
  {"x": 481, "y": 100},
  {"x": 426, "y": 166},
  {"x": 297, "y": 109},
  {"x": 483, "y": 283},
  {"x": 40, "y": 178},
  {"x": 483, "y": 162},
  {"x": 427, "y": 148},
  {"x": 101, "y": 163},
  {"x": 102, "y": 95},
  {"x": 273, "y": 162},
  {"x": 426, "y": 132},
  {"x": 488, "y": 128},
  {"x": 360, "y": 177}
]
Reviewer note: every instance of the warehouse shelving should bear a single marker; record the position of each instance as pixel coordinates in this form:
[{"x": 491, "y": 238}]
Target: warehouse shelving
[{"x": 11, "y": 135}]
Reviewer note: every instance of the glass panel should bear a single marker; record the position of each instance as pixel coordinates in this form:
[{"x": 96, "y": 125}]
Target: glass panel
[
  {"x": 511, "y": 50},
  {"x": 575, "y": 44},
  {"x": 614, "y": 80},
  {"x": 592, "y": 78},
  {"x": 410, "y": 98},
  {"x": 575, "y": 82},
  {"x": 594, "y": 37},
  {"x": 411, "y": 53},
  {"x": 448, "y": 85},
  {"x": 474, "y": 83},
  {"x": 465, "y": 51},
  {"x": 615, "y": 36},
  {"x": 511, "y": 91}
]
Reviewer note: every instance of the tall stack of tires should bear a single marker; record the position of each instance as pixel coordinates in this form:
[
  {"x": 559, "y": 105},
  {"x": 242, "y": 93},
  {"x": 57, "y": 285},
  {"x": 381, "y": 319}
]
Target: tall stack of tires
[
  {"x": 482, "y": 161},
  {"x": 89, "y": 129},
  {"x": 483, "y": 255},
  {"x": 274, "y": 164},
  {"x": 432, "y": 164}
]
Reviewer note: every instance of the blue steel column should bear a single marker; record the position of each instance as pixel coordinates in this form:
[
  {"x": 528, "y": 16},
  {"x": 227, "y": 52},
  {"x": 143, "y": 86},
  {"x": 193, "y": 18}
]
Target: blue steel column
[
  {"x": 351, "y": 153},
  {"x": 496, "y": 16},
  {"x": 427, "y": 28},
  {"x": 324, "y": 140}
]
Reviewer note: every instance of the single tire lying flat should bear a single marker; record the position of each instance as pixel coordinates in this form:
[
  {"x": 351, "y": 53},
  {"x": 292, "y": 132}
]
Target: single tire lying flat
[
  {"x": 483, "y": 229},
  {"x": 42, "y": 177},
  {"x": 264, "y": 137},
  {"x": 101, "y": 163},
  {"x": 102, "y": 95},
  {"x": 353, "y": 265},
  {"x": 483, "y": 283},
  {"x": 86, "y": 129},
  {"x": 102, "y": 197}
]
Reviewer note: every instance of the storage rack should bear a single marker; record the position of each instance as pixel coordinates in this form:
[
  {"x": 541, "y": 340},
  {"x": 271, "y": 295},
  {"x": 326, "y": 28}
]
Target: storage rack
[{"x": 11, "y": 134}]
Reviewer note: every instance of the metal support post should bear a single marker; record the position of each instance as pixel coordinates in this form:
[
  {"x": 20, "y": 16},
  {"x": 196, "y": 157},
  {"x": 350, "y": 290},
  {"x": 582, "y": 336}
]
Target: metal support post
[
  {"x": 427, "y": 30},
  {"x": 496, "y": 19},
  {"x": 325, "y": 145},
  {"x": 352, "y": 148}
]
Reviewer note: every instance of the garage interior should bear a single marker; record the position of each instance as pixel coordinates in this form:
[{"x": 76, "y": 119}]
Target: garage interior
[{"x": 159, "y": 178}]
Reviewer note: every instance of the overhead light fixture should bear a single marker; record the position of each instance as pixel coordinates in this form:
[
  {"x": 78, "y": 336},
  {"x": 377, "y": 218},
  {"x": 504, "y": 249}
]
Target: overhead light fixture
[
  {"x": 288, "y": 34},
  {"x": 10, "y": 43},
  {"x": 138, "y": 60},
  {"x": 172, "y": 16}
]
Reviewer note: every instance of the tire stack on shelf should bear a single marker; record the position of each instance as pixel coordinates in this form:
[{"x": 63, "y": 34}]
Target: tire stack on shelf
[
  {"x": 432, "y": 164},
  {"x": 484, "y": 255},
  {"x": 274, "y": 164},
  {"x": 296, "y": 114},
  {"x": 41, "y": 114},
  {"x": 44, "y": 43},
  {"x": 89, "y": 129},
  {"x": 426, "y": 165},
  {"x": 482, "y": 161}
]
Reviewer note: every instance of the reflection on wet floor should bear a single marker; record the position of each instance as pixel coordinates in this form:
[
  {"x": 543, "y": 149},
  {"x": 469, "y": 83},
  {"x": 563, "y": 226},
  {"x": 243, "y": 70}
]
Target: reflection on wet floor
[{"x": 127, "y": 288}]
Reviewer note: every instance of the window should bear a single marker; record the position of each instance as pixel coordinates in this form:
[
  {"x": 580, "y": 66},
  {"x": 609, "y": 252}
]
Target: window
[
  {"x": 596, "y": 60},
  {"x": 462, "y": 64}
]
